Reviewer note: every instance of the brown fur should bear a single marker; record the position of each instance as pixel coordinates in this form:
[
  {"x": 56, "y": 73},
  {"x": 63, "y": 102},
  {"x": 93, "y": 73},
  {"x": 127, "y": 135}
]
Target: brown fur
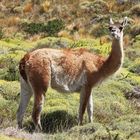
[
  {"x": 35, "y": 67},
  {"x": 68, "y": 71},
  {"x": 83, "y": 59},
  {"x": 22, "y": 66}
]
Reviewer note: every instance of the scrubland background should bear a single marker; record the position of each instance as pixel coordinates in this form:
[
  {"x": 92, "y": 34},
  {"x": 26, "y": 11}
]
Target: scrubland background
[{"x": 31, "y": 24}]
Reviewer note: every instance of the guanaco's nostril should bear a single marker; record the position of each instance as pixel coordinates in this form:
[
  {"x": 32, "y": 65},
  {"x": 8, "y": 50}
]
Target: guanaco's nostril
[{"x": 113, "y": 30}]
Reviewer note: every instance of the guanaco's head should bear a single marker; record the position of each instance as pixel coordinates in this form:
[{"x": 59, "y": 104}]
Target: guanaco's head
[{"x": 116, "y": 28}]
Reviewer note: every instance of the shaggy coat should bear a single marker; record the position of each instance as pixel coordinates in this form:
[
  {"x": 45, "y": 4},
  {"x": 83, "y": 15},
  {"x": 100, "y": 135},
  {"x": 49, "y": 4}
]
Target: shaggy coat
[{"x": 67, "y": 71}]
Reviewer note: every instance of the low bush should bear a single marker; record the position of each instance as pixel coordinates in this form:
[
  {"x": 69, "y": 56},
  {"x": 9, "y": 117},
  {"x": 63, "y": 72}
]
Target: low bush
[
  {"x": 99, "y": 30},
  {"x": 110, "y": 102},
  {"x": 133, "y": 53},
  {"x": 135, "y": 10},
  {"x": 1, "y": 33},
  {"x": 9, "y": 90},
  {"x": 58, "y": 120},
  {"x": 135, "y": 30},
  {"x": 33, "y": 28},
  {"x": 54, "y": 26},
  {"x": 10, "y": 69},
  {"x": 97, "y": 6},
  {"x": 128, "y": 124},
  {"x": 135, "y": 67},
  {"x": 51, "y": 28}
]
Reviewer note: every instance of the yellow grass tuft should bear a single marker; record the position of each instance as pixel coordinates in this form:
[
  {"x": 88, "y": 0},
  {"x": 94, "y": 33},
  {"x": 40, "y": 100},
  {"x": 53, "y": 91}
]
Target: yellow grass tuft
[
  {"x": 35, "y": 38},
  {"x": 104, "y": 39},
  {"x": 65, "y": 34},
  {"x": 46, "y": 6}
]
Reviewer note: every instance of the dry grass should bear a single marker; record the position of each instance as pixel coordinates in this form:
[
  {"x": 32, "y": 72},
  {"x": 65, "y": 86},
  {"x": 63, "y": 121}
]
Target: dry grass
[
  {"x": 136, "y": 20},
  {"x": 17, "y": 134},
  {"x": 28, "y": 8},
  {"x": 10, "y": 21},
  {"x": 35, "y": 37},
  {"x": 135, "y": 10},
  {"x": 126, "y": 40},
  {"x": 10, "y": 32},
  {"x": 104, "y": 39}
]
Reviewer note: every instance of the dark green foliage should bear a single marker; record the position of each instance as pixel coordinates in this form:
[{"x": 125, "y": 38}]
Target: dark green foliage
[
  {"x": 135, "y": 67},
  {"x": 10, "y": 71},
  {"x": 51, "y": 28},
  {"x": 60, "y": 110},
  {"x": 1, "y": 33},
  {"x": 54, "y": 26},
  {"x": 58, "y": 120},
  {"x": 55, "y": 121},
  {"x": 33, "y": 28}
]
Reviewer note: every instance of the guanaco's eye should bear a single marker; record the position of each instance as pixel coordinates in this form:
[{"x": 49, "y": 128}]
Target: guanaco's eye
[
  {"x": 121, "y": 27},
  {"x": 110, "y": 28}
]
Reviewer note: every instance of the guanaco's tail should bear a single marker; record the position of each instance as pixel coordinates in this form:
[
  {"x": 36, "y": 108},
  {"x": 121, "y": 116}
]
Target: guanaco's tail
[{"x": 22, "y": 65}]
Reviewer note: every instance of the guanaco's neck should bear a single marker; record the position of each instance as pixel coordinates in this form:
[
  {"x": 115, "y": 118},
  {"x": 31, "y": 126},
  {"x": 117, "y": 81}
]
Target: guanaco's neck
[
  {"x": 115, "y": 59},
  {"x": 112, "y": 63}
]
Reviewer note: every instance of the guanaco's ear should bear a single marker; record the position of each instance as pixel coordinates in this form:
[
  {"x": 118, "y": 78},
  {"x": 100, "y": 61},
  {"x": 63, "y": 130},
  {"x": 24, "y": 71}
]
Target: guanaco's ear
[
  {"x": 124, "y": 23},
  {"x": 111, "y": 21}
]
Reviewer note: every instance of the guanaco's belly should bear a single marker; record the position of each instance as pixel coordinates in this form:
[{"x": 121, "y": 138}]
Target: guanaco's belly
[{"x": 65, "y": 83}]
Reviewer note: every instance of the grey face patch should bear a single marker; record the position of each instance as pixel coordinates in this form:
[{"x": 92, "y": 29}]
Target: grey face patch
[{"x": 116, "y": 30}]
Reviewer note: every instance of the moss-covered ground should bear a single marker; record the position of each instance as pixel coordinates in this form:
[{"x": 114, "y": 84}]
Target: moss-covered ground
[{"x": 115, "y": 117}]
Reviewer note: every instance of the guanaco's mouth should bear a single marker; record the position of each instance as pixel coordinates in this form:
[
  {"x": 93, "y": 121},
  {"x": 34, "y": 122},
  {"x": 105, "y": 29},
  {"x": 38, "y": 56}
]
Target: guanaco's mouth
[{"x": 113, "y": 34}]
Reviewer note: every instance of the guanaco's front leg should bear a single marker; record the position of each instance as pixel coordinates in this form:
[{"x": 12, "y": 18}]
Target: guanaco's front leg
[{"x": 84, "y": 98}]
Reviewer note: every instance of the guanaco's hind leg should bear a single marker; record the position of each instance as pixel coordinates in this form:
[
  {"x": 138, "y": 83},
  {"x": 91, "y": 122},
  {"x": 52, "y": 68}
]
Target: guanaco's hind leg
[
  {"x": 39, "y": 87},
  {"x": 90, "y": 108},
  {"x": 39, "y": 78},
  {"x": 38, "y": 104},
  {"x": 25, "y": 96},
  {"x": 84, "y": 98}
]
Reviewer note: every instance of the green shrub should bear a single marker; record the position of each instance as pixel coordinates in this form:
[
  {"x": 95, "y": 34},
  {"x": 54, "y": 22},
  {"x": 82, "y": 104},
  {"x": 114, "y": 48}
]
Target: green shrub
[
  {"x": 58, "y": 120},
  {"x": 8, "y": 108},
  {"x": 135, "y": 67},
  {"x": 51, "y": 28},
  {"x": 54, "y": 26},
  {"x": 1, "y": 33},
  {"x": 127, "y": 62},
  {"x": 128, "y": 124},
  {"x": 9, "y": 90},
  {"x": 33, "y": 28},
  {"x": 10, "y": 68}
]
